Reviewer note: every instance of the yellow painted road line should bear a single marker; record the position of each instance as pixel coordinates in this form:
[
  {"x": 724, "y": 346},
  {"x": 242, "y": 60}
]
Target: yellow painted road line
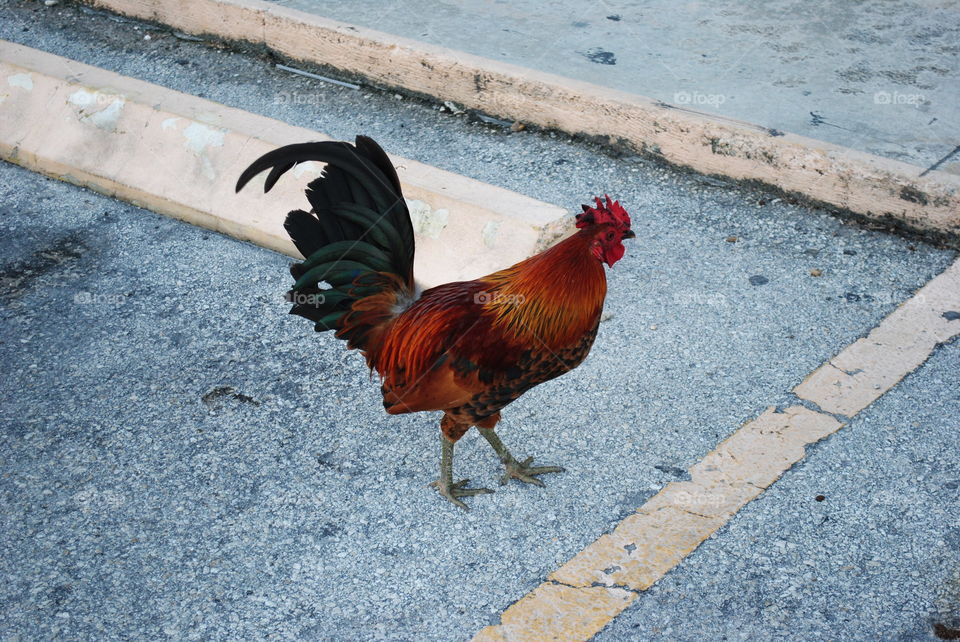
[
  {"x": 868, "y": 368},
  {"x": 585, "y": 594},
  {"x": 872, "y": 186},
  {"x": 181, "y": 155}
]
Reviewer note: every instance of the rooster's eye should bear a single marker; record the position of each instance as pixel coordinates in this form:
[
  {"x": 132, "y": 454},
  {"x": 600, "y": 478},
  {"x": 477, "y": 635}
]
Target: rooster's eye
[{"x": 609, "y": 236}]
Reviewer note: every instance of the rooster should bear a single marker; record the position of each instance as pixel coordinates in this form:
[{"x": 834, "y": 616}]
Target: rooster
[{"x": 467, "y": 348}]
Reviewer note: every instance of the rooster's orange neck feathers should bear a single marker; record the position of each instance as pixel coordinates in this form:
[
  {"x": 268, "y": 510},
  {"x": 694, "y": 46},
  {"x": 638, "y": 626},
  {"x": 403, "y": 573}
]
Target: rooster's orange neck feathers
[{"x": 553, "y": 297}]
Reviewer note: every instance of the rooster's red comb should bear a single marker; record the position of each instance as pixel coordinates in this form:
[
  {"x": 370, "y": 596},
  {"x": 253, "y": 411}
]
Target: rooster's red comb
[{"x": 609, "y": 212}]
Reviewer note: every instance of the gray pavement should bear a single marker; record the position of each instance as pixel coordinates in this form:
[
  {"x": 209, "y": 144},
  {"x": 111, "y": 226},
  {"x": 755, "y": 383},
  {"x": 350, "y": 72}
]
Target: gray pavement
[
  {"x": 877, "y": 558},
  {"x": 882, "y": 77},
  {"x": 182, "y": 459}
]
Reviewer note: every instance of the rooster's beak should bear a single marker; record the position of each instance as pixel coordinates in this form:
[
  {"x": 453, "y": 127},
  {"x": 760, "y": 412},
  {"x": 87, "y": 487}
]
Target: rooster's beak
[{"x": 629, "y": 235}]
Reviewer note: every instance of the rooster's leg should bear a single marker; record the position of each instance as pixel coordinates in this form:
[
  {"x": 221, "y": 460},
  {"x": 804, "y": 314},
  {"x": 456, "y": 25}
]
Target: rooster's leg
[
  {"x": 445, "y": 485},
  {"x": 521, "y": 470}
]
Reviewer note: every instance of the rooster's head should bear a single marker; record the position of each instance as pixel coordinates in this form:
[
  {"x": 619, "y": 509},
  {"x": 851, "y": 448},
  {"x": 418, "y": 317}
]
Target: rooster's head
[{"x": 609, "y": 224}]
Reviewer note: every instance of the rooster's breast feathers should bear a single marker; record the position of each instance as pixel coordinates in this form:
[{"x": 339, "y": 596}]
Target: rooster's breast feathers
[{"x": 485, "y": 342}]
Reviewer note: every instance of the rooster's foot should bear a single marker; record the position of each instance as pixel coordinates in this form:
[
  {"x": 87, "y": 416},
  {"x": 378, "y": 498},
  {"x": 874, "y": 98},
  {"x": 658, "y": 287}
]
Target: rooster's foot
[
  {"x": 453, "y": 491},
  {"x": 523, "y": 471}
]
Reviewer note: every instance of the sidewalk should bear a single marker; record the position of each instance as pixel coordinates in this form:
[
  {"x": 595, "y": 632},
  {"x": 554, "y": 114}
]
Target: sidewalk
[{"x": 883, "y": 78}]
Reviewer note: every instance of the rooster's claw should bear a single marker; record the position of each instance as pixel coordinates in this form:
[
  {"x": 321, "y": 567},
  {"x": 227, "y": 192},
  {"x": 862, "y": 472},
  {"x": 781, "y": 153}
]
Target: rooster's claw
[
  {"x": 453, "y": 491},
  {"x": 523, "y": 471}
]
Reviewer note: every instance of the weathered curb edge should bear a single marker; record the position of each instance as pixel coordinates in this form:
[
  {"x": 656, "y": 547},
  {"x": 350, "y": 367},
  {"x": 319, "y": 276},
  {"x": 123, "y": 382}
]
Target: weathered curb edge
[
  {"x": 590, "y": 590},
  {"x": 181, "y": 155},
  {"x": 864, "y": 184}
]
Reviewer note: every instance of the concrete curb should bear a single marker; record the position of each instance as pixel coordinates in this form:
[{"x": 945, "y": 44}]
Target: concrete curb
[
  {"x": 867, "y": 185},
  {"x": 181, "y": 155}
]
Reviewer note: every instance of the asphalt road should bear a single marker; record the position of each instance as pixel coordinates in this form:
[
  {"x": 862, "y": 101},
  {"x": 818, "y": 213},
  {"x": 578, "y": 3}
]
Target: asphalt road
[{"x": 182, "y": 459}]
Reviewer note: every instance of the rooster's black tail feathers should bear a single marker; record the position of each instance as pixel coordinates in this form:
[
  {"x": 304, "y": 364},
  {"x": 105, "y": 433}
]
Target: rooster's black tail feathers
[{"x": 359, "y": 225}]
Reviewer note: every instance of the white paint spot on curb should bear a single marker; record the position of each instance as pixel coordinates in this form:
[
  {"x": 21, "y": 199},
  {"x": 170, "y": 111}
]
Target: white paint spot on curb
[
  {"x": 82, "y": 98},
  {"x": 105, "y": 119},
  {"x": 24, "y": 81},
  {"x": 199, "y": 137},
  {"x": 169, "y": 123},
  {"x": 427, "y": 221},
  {"x": 490, "y": 233}
]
